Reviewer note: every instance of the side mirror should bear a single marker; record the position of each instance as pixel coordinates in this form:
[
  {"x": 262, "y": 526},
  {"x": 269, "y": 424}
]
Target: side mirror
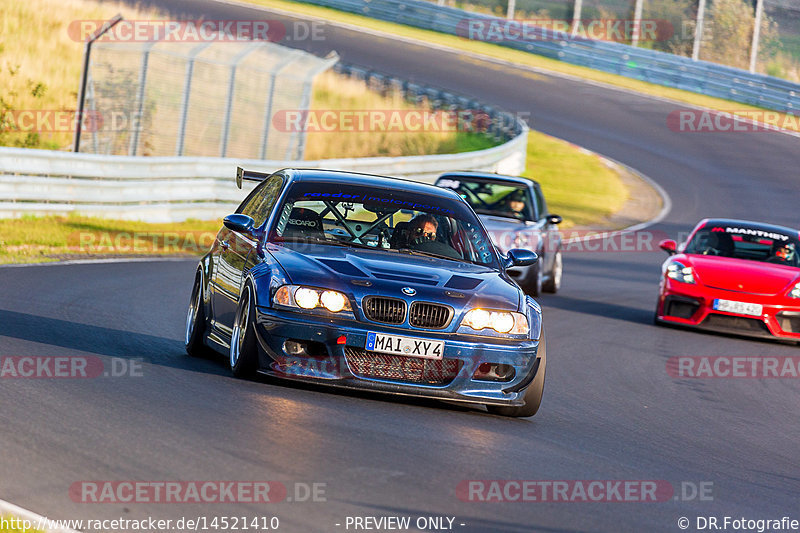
[
  {"x": 554, "y": 219},
  {"x": 239, "y": 222},
  {"x": 520, "y": 258},
  {"x": 669, "y": 246}
]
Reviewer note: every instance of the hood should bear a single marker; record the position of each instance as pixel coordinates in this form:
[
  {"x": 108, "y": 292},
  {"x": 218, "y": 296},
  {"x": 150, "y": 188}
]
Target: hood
[
  {"x": 361, "y": 272},
  {"x": 742, "y": 275},
  {"x": 507, "y": 233}
]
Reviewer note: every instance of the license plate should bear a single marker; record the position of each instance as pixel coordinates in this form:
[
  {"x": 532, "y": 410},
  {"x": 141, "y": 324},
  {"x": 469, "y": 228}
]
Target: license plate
[
  {"x": 397, "y": 345},
  {"x": 741, "y": 308}
]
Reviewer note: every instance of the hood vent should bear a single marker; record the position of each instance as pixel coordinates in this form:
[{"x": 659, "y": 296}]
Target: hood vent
[
  {"x": 462, "y": 283},
  {"x": 342, "y": 267}
]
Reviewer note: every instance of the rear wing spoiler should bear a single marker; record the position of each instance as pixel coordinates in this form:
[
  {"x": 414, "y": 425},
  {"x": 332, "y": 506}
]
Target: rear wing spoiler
[{"x": 249, "y": 175}]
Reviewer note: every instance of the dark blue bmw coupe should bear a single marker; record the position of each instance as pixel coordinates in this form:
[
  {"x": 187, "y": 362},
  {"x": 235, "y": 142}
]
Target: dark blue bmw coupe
[{"x": 369, "y": 282}]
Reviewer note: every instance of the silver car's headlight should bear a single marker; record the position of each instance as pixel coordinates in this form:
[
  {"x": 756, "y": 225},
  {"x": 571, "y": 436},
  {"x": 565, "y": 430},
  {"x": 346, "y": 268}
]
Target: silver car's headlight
[
  {"x": 302, "y": 297},
  {"x": 509, "y": 322},
  {"x": 680, "y": 272}
]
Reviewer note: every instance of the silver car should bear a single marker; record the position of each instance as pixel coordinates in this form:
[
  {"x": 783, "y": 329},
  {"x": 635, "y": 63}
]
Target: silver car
[{"x": 515, "y": 214}]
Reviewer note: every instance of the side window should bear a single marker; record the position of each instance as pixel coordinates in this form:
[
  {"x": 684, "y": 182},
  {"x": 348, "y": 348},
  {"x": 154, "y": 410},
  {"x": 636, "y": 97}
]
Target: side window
[
  {"x": 261, "y": 201},
  {"x": 538, "y": 198}
]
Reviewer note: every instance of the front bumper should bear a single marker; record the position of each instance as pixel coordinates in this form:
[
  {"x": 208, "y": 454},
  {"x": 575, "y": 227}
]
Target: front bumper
[
  {"x": 349, "y": 365},
  {"x": 693, "y": 305}
]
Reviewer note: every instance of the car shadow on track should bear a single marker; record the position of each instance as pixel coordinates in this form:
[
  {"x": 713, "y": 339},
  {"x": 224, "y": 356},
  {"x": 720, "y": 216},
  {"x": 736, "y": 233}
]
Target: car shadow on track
[
  {"x": 428, "y": 403},
  {"x": 99, "y": 340},
  {"x": 599, "y": 309}
]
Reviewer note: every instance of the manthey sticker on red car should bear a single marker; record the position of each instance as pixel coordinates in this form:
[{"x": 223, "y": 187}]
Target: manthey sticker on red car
[{"x": 751, "y": 232}]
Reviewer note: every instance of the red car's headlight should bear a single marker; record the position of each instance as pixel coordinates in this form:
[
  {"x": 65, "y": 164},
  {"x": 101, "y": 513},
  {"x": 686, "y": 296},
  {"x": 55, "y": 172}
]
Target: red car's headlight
[
  {"x": 680, "y": 272},
  {"x": 795, "y": 292}
]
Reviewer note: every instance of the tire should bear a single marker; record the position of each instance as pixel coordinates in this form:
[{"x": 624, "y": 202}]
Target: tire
[
  {"x": 244, "y": 347},
  {"x": 533, "y": 394},
  {"x": 196, "y": 321},
  {"x": 553, "y": 284},
  {"x": 656, "y": 321},
  {"x": 534, "y": 287}
]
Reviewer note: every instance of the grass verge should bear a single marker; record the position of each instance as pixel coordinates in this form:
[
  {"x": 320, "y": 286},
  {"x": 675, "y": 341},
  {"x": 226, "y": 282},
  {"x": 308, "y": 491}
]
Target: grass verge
[
  {"x": 497, "y": 51},
  {"x": 577, "y": 185},
  {"x": 43, "y": 239}
]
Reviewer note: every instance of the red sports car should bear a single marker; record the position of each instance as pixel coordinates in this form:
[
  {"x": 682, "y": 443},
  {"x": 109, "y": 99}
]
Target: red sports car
[{"x": 733, "y": 276}]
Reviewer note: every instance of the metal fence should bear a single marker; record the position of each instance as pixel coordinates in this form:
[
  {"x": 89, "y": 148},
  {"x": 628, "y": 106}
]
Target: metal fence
[
  {"x": 214, "y": 98},
  {"x": 727, "y": 35},
  {"x": 641, "y": 63}
]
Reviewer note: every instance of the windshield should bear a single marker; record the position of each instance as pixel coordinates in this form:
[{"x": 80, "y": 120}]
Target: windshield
[
  {"x": 390, "y": 220},
  {"x": 751, "y": 243},
  {"x": 507, "y": 200}
]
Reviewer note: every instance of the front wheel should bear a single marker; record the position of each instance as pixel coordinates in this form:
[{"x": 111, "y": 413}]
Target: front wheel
[
  {"x": 196, "y": 321},
  {"x": 533, "y": 394},
  {"x": 244, "y": 347},
  {"x": 553, "y": 284},
  {"x": 533, "y": 286}
]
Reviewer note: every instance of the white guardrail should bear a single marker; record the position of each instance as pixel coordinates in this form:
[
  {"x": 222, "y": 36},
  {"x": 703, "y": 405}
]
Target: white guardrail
[{"x": 169, "y": 189}]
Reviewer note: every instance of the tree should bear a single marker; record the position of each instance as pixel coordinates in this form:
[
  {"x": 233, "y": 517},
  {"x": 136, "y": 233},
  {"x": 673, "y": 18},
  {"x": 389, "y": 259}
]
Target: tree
[
  {"x": 731, "y": 33},
  {"x": 676, "y": 25}
]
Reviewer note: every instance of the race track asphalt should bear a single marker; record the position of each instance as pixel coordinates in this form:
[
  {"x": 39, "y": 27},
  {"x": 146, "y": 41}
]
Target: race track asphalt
[{"x": 611, "y": 411}]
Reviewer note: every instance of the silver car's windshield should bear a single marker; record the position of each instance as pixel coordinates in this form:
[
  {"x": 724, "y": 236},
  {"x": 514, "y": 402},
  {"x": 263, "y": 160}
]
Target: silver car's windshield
[{"x": 508, "y": 200}]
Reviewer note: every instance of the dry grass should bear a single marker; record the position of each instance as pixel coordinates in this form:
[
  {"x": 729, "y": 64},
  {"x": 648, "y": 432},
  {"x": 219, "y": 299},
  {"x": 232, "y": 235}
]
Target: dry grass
[
  {"x": 336, "y": 92},
  {"x": 40, "y": 63}
]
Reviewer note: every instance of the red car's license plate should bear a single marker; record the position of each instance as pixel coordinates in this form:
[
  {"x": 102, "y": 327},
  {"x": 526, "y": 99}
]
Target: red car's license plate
[{"x": 741, "y": 308}]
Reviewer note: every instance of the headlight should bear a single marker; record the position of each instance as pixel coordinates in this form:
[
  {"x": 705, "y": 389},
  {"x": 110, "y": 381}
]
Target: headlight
[
  {"x": 680, "y": 272},
  {"x": 306, "y": 298},
  {"x": 500, "y": 321},
  {"x": 795, "y": 292},
  {"x": 311, "y": 298},
  {"x": 333, "y": 301}
]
